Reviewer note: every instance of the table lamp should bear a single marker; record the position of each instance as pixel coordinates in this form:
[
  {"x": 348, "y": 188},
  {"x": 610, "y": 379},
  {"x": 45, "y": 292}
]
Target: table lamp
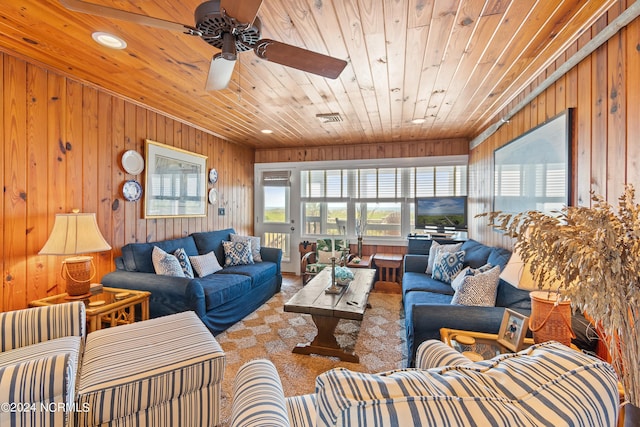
[
  {"x": 74, "y": 234},
  {"x": 550, "y": 317}
]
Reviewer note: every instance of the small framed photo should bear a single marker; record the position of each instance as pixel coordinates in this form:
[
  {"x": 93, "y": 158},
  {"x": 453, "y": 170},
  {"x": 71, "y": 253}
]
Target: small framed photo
[{"x": 513, "y": 329}]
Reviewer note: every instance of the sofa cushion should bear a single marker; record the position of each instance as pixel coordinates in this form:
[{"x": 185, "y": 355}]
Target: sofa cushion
[
  {"x": 511, "y": 297},
  {"x": 499, "y": 256},
  {"x": 479, "y": 289},
  {"x": 208, "y": 241},
  {"x": 222, "y": 288},
  {"x": 237, "y": 253},
  {"x": 166, "y": 264},
  {"x": 206, "y": 264},
  {"x": 255, "y": 245},
  {"x": 476, "y": 254},
  {"x": 423, "y": 282},
  {"x": 435, "y": 249},
  {"x": 137, "y": 256},
  {"x": 259, "y": 272},
  {"x": 542, "y": 385},
  {"x": 447, "y": 265}
]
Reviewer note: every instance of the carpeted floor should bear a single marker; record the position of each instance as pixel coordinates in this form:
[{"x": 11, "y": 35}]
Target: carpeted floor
[{"x": 271, "y": 333}]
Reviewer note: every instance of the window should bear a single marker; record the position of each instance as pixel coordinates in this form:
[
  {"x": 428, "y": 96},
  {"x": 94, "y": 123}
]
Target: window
[{"x": 339, "y": 201}]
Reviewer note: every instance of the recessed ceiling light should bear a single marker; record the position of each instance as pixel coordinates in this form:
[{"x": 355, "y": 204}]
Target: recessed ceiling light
[
  {"x": 267, "y": 131},
  {"x": 418, "y": 121},
  {"x": 109, "y": 40}
]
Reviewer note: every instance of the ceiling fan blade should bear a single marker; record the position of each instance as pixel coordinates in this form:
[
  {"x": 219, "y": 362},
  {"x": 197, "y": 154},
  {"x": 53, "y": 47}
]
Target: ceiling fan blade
[
  {"x": 220, "y": 72},
  {"x": 244, "y": 11},
  {"x": 300, "y": 59},
  {"x": 109, "y": 12}
]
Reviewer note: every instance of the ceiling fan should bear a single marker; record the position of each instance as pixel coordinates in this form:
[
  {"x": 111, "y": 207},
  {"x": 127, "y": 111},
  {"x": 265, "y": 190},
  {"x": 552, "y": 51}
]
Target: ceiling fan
[{"x": 232, "y": 26}]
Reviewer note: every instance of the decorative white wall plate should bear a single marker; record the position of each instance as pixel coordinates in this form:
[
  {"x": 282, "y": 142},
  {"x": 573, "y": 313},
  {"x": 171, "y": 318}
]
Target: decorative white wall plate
[
  {"x": 213, "y": 196},
  {"x": 132, "y": 162}
]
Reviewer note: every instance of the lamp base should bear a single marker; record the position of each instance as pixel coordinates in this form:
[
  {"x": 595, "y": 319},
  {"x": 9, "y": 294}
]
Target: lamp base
[{"x": 77, "y": 272}]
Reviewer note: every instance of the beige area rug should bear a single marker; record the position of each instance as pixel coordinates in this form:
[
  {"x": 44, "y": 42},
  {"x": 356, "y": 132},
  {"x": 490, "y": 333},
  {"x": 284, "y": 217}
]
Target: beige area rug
[{"x": 270, "y": 333}]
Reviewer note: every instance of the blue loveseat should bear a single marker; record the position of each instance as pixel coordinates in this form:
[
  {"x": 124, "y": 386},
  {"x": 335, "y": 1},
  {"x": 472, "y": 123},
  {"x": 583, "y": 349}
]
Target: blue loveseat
[
  {"x": 219, "y": 299},
  {"x": 427, "y": 302}
]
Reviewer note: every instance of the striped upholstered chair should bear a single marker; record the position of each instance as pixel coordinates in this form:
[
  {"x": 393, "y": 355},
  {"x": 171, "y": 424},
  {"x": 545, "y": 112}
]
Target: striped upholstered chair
[
  {"x": 162, "y": 372},
  {"x": 547, "y": 384},
  {"x": 40, "y": 349}
]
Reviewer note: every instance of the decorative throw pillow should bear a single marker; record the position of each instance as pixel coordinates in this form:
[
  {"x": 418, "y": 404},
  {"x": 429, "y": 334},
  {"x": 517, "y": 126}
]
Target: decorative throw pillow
[
  {"x": 183, "y": 259},
  {"x": 447, "y": 265},
  {"x": 479, "y": 289},
  {"x": 205, "y": 264},
  {"x": 457, "y": 281},
  {"x": 437, "y": 248},
  {"x": 468, "y": 271},
  {"x": 237, "y": 253},
  {"x": 165, "y": 264},
  {"x": 255, "y": 245}
]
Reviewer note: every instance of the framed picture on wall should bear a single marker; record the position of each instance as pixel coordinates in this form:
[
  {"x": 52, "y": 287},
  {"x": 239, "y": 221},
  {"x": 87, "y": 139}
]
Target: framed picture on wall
[
  {"x": 176, "y": 182},
  {"x": 533, "y": 171}
]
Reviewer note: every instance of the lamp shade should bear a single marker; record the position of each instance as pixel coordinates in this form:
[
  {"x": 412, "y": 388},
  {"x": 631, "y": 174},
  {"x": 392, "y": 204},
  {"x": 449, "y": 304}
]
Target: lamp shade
[
  {"x": 75, "y": 233},
  {"x": 517, "y": 274}
]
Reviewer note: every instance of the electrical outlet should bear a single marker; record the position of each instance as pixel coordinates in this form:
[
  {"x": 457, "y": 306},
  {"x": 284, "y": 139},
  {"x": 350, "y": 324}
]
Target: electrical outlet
[{"x": 221, "y": 211}]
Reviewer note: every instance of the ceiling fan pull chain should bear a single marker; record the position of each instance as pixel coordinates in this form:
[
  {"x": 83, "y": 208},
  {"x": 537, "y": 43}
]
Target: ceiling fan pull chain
[{"x": 239, "y": 85}]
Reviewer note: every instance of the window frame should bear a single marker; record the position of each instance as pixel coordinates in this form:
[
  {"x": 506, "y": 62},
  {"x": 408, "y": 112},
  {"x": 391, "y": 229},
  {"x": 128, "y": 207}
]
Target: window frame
[{"x": 297, "y": 200}]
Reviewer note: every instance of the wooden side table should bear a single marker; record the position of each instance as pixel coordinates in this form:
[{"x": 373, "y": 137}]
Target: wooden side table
[
  {"x": 112, "y": 306},
  {"x": 388, "y": 266}
]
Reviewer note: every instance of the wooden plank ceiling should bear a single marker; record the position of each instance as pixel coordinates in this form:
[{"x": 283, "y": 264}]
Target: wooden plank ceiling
[{"x": 455, "y": 63}]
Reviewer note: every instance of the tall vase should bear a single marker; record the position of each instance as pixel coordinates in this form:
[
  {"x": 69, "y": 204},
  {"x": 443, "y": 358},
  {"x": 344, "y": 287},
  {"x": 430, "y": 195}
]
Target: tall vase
[{"x": 359, "y": 246}]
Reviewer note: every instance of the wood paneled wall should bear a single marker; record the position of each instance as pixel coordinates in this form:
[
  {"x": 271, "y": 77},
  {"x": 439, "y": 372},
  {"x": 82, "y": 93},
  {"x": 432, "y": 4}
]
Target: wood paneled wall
[
  {"x": 444, "y": 147},
  {"x": 62, "y": 144},
  {"x": 604, "y": 88}
]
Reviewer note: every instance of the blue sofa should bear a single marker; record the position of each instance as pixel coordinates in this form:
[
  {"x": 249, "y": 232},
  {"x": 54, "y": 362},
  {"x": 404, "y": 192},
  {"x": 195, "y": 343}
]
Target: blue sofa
[
  {"x": 427, "y": 302},
  {"x": 219, "y": 299}
]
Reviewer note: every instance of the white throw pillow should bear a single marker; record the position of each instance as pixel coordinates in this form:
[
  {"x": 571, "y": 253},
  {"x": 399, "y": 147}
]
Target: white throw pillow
[
  {"x": 479, "y": 289},
  {"x": 166, "y": 264},
  {"x": 437, "y": 248},
  {"x": 205, "y": 264},
  {"x": 255, "y": 245}
]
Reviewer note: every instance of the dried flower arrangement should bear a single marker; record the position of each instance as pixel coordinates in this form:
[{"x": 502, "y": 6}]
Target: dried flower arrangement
[{"x": 594, "y": 253}]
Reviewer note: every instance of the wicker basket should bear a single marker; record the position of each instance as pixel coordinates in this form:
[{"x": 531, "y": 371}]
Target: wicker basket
[
  {"x": 77, "y": 272},
  {"x": 550, "y": 320}
]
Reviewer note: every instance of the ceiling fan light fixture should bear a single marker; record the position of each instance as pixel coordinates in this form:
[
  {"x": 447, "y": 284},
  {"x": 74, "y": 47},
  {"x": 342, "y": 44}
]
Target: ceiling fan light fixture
[
  {"x": 418, "y": 121},
  {"x": 219, "y": 73},
  {"x": 109, "y": 40}
]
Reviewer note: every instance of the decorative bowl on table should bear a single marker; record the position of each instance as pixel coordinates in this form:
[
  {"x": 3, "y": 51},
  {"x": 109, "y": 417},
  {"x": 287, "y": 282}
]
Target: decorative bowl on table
[{"x": 343, "y": 276}]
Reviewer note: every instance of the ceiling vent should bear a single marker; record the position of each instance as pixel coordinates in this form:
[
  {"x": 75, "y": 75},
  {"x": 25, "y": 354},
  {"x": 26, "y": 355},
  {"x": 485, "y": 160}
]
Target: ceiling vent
[{"x": 329, "y": 117}]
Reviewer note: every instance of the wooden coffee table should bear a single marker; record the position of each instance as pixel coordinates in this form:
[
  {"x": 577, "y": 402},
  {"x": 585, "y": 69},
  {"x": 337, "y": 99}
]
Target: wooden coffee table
[
  {"x": 112, "y": 306},
  {"x": 326, "y": 310}
]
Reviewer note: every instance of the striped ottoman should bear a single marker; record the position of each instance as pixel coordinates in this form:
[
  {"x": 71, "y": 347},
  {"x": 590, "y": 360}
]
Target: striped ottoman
[{"x": 164, "y": 371}]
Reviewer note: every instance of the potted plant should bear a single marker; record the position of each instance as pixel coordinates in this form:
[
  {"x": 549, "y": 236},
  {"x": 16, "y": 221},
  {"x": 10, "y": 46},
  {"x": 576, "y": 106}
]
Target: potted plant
[{"x": 593, "y": 253}]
